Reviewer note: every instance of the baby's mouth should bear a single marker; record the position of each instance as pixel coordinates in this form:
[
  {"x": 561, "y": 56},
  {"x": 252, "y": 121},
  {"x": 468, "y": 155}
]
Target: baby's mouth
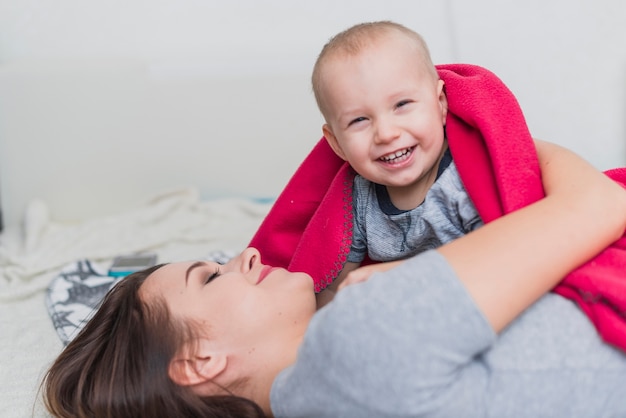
[{"x": 398, "y": 156}]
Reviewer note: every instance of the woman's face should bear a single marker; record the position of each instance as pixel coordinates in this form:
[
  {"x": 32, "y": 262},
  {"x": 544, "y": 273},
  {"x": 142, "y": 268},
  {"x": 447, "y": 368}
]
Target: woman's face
[{"x": 242, "y": 304}]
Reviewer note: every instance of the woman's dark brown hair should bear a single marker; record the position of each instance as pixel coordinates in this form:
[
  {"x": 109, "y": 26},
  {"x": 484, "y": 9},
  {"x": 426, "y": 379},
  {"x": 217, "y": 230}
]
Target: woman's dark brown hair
[{"x": 117, "y": 366}]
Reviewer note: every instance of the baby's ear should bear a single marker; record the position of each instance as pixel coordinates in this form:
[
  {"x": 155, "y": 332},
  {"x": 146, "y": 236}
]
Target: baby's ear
[
  {"x": 196, "y": 363},
  {"x": 332, "y": 141},
  {"x": 443, "y": 100}
]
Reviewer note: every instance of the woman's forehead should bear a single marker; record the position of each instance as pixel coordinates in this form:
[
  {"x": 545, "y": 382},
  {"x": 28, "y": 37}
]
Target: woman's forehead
[
  {"x": 182, "y": 267},
  {"x": 165, "y": 279},
  {"x": 171, "y": 269}
]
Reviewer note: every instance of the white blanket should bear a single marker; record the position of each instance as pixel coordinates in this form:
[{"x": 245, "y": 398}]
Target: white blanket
[{"x": 175, "y": 225}]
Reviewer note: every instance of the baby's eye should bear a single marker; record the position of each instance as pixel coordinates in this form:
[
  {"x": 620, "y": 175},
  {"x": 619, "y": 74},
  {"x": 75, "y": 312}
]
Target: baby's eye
[
  {"x": 403, "y": 102},
  {"x": 357, "y": 120},
  {"x": 212, "y": 276}
]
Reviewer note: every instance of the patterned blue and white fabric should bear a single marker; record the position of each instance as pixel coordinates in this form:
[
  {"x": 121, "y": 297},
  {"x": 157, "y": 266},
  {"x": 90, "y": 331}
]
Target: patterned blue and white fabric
[{"x": 75, "y": 293}]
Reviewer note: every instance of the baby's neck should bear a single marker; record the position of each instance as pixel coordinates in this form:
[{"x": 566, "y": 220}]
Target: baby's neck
[{"x": 409, "y": 197}]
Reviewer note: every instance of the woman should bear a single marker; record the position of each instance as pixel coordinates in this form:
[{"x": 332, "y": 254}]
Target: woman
[{"x": 451, "y": 332}]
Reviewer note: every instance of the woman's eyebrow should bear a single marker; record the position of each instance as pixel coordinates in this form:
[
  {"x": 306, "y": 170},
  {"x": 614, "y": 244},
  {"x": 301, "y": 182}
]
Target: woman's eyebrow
[{"x": 191, "y": 267}]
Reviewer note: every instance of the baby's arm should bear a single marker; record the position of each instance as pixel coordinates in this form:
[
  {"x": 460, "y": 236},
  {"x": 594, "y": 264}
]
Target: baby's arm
[
  {"x": 329, "y": 292},
  {"x": 360, "y": 274}
]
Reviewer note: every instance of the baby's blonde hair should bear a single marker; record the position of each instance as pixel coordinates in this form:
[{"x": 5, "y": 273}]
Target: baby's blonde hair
[{"x": 357, "y": 38}]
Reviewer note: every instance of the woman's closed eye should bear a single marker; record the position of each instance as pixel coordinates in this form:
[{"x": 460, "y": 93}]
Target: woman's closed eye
[{"x": 212, "y": 276}]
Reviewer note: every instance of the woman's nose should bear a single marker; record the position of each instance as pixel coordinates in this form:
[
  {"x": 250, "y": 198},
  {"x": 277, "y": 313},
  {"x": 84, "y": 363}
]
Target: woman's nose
[{"x": 248, "y": 259}]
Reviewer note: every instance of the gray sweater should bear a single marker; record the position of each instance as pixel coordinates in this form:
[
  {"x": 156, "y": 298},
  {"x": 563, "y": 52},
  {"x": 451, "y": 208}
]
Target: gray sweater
[
  {"x": 386, "y": 233},
  {"x": 412, "y": 343}
]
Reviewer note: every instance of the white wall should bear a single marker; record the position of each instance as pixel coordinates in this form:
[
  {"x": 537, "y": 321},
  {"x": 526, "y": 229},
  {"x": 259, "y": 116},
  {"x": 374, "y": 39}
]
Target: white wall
[
  {"x": 104, "y": 103},
  {"x": 564, "y": 60}
]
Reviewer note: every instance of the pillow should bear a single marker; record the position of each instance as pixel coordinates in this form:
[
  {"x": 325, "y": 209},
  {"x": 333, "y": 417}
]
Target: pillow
[{"x": 77, "y": 291}]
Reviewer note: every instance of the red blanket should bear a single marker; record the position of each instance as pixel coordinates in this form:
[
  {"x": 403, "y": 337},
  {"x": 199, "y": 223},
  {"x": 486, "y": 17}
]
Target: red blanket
[{"x": 310, "y": 226}]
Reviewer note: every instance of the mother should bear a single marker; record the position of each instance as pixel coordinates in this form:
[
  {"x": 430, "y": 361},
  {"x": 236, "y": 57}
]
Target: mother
[{"x": 465, "y": 330}]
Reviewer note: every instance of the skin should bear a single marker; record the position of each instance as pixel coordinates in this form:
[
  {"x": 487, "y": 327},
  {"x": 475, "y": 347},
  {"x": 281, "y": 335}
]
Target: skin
[
  {"x": 385, "y": 115},
  {"x": 257, "y": 315},
  {"x": 582, "y": 213}
]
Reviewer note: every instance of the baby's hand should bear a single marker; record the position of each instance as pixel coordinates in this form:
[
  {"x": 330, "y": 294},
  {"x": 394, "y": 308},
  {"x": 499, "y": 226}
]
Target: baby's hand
[{"x": 363, "y": 273}]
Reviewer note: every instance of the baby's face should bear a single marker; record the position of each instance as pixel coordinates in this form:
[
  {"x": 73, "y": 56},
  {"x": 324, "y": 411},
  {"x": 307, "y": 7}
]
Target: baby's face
[{"x": 385, "y": 112}]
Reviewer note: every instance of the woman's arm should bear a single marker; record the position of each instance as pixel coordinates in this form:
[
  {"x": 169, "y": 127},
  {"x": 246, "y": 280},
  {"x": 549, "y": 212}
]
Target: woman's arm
[{"x": 509, "y": 263}]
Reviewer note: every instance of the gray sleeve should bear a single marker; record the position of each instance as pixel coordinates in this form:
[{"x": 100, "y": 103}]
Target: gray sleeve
[
  {"x": 456, "y": 196},
  {"x": 392, "y": 345},
  {"x": 360, "y": 196}
]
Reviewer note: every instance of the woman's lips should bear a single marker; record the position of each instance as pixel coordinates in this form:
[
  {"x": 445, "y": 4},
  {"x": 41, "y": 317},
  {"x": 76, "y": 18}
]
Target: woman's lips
[{"x": 265, "y": 272}]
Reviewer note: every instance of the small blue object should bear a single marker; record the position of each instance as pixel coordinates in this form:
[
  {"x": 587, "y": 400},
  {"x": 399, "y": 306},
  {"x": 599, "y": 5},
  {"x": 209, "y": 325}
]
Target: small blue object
[{"x": 124, "y": 265}]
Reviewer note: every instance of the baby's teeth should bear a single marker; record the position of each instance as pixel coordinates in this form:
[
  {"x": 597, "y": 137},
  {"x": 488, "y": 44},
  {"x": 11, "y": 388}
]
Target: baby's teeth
[{"x": 396, "y": 155}]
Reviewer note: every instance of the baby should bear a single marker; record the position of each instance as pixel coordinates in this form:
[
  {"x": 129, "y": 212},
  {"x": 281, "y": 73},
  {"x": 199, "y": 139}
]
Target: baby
[{"x": 385, "y": 113}]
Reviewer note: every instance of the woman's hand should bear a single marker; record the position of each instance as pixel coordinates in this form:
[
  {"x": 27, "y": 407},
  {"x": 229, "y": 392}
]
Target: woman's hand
[{"x": 509, "y": 263}]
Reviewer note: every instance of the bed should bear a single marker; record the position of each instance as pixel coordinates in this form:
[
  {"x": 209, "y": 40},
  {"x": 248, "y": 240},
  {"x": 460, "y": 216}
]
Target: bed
[
  {"x": 104, "y": 159},
  {"x": 176, "y": 225}
]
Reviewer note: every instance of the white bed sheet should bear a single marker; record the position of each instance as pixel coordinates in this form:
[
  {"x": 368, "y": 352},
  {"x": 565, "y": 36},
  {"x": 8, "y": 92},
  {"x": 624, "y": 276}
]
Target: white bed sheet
[{"x": 176, "y": 225}]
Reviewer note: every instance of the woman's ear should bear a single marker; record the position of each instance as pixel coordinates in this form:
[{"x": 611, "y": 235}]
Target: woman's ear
[
  {"x": 332, "y": 141},
  {"x": 196, "y": 363}
]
